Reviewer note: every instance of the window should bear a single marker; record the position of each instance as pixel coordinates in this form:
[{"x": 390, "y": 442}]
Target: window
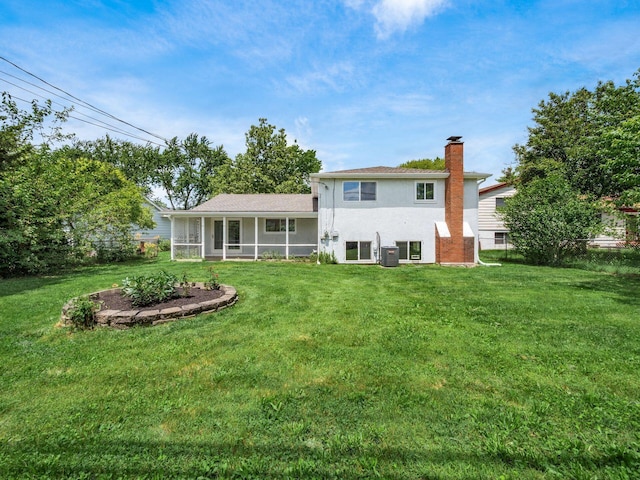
[
  {"x": 358, "y": 191},
  {"x": 424, "y": 191},
  {"x": 273, "y": 225},
  {"x": 409, "y": 250},
  {"x": 499, "y": 202},
  {"x": 233, "y": 233},
  {"x": 500, "y": 238},
  {"x": 358, "y": 251}
]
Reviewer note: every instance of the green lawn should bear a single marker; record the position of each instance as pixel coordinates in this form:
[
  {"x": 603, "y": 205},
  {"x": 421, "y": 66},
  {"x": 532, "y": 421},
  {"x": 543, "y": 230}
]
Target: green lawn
[{"x": 330, "y": 371}]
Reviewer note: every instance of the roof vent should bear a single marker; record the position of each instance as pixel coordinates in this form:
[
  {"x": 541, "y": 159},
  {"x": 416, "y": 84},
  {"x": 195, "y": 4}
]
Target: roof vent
[{"x": 454, "y": 139}]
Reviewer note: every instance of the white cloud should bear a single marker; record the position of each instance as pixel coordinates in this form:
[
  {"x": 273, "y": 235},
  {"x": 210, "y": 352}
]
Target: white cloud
[{"x": 398, "y": 15}]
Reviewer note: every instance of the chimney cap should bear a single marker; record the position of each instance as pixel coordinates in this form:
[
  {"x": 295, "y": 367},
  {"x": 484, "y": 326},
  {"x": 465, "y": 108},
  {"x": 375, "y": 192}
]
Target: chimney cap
[{"x": 454, "y": 139}]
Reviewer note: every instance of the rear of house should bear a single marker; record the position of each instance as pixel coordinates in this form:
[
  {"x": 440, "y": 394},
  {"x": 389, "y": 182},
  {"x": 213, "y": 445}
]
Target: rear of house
[{"x": 428, "y": 216}]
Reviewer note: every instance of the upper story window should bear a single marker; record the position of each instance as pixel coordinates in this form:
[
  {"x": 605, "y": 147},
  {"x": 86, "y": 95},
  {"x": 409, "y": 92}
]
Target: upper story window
[
  {"x": 499, "y": 202},
  {"x": 277, "y": 225},
  {"x": 358, "y": 191},
  {"x": 425, "y": 191}
]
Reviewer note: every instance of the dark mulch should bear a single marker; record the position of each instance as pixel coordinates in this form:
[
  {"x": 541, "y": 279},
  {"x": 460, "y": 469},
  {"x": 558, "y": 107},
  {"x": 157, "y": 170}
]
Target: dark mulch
[{"x": 114, "y": 300}]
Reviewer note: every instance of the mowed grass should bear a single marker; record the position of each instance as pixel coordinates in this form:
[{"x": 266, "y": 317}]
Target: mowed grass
[{"x": 330, "y": 371}]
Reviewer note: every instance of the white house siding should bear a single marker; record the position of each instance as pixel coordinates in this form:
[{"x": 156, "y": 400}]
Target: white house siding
[
  {"x": 615, "y": 233},
  {"x": 488, "y": 221},
  {"x": 395, "y": 215}
]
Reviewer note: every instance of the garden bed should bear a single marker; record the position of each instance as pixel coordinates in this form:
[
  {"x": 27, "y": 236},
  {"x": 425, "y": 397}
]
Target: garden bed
[{"x": 116, "y": 310}]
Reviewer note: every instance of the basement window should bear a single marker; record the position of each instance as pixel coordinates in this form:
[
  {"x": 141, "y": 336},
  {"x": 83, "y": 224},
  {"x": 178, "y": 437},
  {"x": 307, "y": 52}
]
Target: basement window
[
  {"x": 358, "y": 251},
  {"x": 409, "y": 250},
  {"x": 500, "y": 238}
]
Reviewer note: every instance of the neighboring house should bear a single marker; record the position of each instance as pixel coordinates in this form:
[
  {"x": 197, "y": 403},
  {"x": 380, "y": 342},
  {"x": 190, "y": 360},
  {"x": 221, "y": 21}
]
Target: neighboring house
[
  {"x": 493, "y": 233},
  {"x": 621, "y": 228},
  {"x": 163, "y": 224},
  {"x": 431, "y": 216}
]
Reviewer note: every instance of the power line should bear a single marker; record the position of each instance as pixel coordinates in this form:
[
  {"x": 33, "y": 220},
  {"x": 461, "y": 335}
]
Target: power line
[
  {"x": 82, "y": 102},
  {"x": 101, "y": 123}
]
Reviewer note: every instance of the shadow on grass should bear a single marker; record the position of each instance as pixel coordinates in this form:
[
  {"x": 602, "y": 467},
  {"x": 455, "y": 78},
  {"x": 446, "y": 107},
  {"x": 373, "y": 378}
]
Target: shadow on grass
[
  {"x": 624, "y": 288},
  {"x": 15, "y": 285},
  {"x": 170, "y": 459}
]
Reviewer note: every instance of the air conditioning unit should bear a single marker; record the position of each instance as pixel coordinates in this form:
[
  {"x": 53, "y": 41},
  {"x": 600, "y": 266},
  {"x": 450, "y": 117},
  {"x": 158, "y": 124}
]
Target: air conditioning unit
[{"x": 389, "y": 256}]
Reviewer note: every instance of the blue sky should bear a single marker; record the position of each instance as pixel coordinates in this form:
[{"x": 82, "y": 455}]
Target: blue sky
[{"x": 362, "y": 82}]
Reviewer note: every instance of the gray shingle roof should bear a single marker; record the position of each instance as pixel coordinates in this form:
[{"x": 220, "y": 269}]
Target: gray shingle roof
[
  {"x": 381, "y": 169},
  {"x": 257, "y": 202}
]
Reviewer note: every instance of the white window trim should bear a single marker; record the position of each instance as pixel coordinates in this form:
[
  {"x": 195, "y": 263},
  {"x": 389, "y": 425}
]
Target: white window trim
[
  {"x": 359, "y": 182},
  {"x": 295, "y": 226},
  {"x": 505, "y": 238},
  {"x": 227, "y": 246},
  {"x": 359, "y": 260},
  {"x": 409, "y": 242},
  {"x": 415, "y": 192}
]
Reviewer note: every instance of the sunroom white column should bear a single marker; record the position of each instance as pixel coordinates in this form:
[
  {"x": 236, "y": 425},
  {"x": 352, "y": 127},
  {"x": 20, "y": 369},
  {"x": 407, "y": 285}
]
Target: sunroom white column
[
  {"x": 173, "y": 236},
  {"x": 286, "y": 238},
  {"x": 202, "y": 237},
  {"x": 255, "y": 254},
  {"x": 224, "y": 238}
]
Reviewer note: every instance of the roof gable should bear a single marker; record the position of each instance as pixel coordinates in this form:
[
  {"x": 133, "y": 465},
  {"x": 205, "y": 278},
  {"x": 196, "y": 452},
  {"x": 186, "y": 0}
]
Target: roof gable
[
  {"x": 385, "y": 170},
  {"x": 495, "y": 188}
]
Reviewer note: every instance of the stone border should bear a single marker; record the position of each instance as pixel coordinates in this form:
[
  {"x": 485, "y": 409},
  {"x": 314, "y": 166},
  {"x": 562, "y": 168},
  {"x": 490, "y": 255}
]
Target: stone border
[{"x": 122, "y": 319}]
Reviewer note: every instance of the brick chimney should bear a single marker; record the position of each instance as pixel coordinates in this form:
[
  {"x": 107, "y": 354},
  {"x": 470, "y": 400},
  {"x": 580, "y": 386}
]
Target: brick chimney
[{"x": 452, "y": 246}]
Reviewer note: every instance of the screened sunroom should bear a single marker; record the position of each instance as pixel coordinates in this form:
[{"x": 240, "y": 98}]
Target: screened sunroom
[{"x": 245, "y": 227}]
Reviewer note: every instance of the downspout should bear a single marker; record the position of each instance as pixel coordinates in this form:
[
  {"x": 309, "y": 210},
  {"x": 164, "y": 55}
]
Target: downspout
[{"x": 480, "y": 262}]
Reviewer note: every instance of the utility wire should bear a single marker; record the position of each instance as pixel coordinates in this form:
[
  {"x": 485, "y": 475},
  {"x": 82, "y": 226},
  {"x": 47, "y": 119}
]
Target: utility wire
[
  {"x": 101, "y": 123},
  {"x": 82, "y": 102}
]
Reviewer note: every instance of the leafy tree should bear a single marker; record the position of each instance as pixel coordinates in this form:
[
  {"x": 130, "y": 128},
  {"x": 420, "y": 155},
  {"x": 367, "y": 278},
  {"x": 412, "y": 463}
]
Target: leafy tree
[
  {"x": 548, "y": 221},
  {"x": 270, "y": 165},
  {"x": 184, "y": 169},
  {"x": 425, "y": 164},
  {"x": 621, "y": 152},
  {"x": 128, "y": 157},
  {"x": 571, "y": 129},
  {"x": 54, "y": 208},
  {"x": 508, "y": 176}
]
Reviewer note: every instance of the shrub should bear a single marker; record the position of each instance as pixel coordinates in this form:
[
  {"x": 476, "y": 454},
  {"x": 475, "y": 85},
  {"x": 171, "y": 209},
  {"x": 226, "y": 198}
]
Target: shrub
[
  {"x": 212, "y": 282},
  {"x": 272, "y": 255},
  {"x": 164, "y": 245},
  {"x": 82, "y": 312},
  {"x": 107, "y": 252},
  {"x": 549, "y": 222},
  {"x": 150, "y": 289},
  {"x": 150, "y": 249},
  {"x": 324, "y": 257},
  {"x": 185, "y": 284}
]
